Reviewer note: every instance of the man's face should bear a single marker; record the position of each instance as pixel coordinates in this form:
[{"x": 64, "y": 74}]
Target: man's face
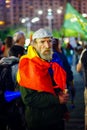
[
  {"x": 22, "y": 40},
  {"x": 43, "y": 47}
]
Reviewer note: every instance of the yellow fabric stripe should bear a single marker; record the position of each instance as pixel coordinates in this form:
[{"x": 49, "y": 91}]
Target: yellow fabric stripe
[
  {"x": 18, "y": 77},
  {"x": 32, "y": 52}
]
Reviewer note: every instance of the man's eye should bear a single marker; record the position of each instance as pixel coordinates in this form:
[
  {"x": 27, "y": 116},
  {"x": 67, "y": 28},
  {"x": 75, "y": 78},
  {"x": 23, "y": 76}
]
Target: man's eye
[
  {"x": 42, "y": 42},
  {"x": 50, "y": 41}
]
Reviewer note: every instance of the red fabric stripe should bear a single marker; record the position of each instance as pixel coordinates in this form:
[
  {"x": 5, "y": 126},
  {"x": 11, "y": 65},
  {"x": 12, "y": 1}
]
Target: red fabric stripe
[{"x": 34, "y": 75}]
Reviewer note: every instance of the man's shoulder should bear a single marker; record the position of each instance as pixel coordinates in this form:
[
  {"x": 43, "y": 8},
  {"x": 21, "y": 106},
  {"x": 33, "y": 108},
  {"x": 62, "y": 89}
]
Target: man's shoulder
[
  {"x": 84, "y": 57},
  {"x": 84, "y": 52}
]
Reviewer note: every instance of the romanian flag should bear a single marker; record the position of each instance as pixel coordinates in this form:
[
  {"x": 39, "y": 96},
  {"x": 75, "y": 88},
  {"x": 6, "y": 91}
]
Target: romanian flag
[{"x": 33, "y": 73}]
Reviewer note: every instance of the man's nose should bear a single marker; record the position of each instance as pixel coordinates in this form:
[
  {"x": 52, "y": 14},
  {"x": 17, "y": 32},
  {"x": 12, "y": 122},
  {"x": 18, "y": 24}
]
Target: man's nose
[{"x": 47, "y": 44}]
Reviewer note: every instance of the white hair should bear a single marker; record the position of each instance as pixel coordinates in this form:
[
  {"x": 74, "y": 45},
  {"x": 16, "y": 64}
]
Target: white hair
[{"x": 18, "y": 35}]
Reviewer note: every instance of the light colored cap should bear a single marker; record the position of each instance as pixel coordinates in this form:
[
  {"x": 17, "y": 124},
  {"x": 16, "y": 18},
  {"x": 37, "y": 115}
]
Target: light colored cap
[
  {"x": 42, "y": 33},
  {"x": 18, "y": 35}
]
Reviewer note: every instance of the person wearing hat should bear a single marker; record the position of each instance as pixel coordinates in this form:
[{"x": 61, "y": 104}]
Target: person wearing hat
[{"x": 36, "y": 76}]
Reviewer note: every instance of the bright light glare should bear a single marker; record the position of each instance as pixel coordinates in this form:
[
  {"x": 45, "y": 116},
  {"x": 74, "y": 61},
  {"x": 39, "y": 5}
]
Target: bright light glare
[
  {"x": 73, "y": 20},
  {"x": 84, "y": 15},
  {"x": 7, "y": 1},
  {"x": 49, "y": 10},
  {"x": 23, "y": 20},
  {"x": 7, "y": 6},
  {"x": 40, "y": 12},
  {"x": 66, "y": 40},
  {"x": 59, "y": 11},
  {"x": 80, "y": 42},
  {"x": 27, "y": 42},
  {"x": 35, "y": 19},
  {"x": 2, "y": 22}
]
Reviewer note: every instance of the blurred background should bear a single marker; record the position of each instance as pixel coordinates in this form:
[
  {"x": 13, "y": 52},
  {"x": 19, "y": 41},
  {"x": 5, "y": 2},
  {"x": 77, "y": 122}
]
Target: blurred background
[{"x": 30, "y": 15}]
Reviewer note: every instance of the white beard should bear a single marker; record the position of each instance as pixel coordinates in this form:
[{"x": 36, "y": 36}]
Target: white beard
[{"x": 47, "y": 57}]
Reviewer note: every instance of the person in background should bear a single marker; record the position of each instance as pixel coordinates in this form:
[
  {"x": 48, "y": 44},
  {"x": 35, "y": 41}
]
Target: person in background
[
  {"x": 60, "y": 57},
  {"x": 1, "y": 50},
  {"x": 82, "y": 65},
  {"x": 19, "y": 38},
  {"x": 15, "y": 53},
  {"x": 34, "y": 76},
  {"x": 10, "y": 114},
  {"x": 68, "y": 53},
  {"x": 8, "y": 43},
  {"x": 78, "y": 49}
]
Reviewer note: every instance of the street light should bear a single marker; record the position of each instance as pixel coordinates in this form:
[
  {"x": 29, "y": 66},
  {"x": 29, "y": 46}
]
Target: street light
[
  {"x": 50, "y": 17},
  {"x": 36, "y": 19},
  {"x": 40, "y": 12},
  {"x": 27, "y": 22},
  {"x": 60, "y": 10}
]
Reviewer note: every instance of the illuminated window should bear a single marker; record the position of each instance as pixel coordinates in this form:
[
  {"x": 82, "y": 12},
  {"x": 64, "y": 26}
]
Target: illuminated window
[{"x": 2, "y": 22}]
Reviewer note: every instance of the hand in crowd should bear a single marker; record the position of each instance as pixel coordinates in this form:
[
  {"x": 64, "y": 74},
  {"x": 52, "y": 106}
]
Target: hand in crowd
[{"x": 63, "y": 97}]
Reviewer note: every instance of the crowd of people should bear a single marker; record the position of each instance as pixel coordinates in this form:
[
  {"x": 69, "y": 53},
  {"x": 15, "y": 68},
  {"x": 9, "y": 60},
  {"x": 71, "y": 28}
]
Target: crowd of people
[
  {"x": 11, "y": 113},
  {"x": 44, "y": 78}
]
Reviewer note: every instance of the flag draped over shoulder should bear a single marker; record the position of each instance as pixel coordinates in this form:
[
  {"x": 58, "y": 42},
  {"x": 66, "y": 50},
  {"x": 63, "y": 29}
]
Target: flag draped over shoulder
[
  {"x": 33, "y": 73},
  {"x": 74, "y": 23}
]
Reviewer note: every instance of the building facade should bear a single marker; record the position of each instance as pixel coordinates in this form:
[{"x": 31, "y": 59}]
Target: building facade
[{"x": 49, "y": 12}]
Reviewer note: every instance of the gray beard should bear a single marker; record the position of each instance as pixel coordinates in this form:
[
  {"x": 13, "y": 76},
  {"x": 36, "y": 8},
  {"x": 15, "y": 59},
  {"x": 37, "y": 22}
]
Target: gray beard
[{"x": 46, "y": 57}]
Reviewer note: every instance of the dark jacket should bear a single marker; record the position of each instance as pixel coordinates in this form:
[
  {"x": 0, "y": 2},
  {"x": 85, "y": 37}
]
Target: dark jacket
[
  {"x": 10, "y": 111},
  {"x": 41, "y": 108},
  {"x": 84, "y": 63}
]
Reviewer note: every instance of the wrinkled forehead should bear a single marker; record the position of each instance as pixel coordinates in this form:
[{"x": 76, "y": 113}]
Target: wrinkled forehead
[{"x": 44, "y": 39}]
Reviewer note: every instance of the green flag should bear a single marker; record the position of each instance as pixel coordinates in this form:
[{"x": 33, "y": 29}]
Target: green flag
[
  {"x": 56, "y": 33},
  {"x": 74, "y": 23}
]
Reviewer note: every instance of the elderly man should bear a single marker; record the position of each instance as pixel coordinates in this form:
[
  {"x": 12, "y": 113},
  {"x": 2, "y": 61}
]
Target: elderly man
[
  {"x": 42, "y": 84},
  {"x": 19, "y": 38}
]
